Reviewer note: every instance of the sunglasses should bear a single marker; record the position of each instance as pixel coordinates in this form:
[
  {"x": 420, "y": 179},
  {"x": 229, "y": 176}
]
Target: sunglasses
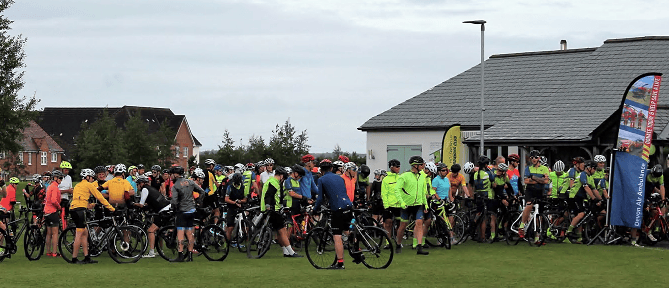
[
  {"x": 444, "y": 170},
  {"x": 398, "y": 166},
  {"x": 269, "y": 165},
  {"x": 535, "y": 157}
]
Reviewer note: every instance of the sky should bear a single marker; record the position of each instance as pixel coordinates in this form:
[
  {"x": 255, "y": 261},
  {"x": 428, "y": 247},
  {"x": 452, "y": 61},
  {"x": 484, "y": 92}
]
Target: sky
[{"x": 327, "y": 66}]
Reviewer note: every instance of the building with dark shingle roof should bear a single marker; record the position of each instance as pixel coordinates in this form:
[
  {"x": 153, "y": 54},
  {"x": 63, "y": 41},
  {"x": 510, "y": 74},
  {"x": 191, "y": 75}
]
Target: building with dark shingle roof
[
  {"x": 39, "y": 152},
  {"x": 564, "y": 103},
  {"x": 64, "y": 123}
]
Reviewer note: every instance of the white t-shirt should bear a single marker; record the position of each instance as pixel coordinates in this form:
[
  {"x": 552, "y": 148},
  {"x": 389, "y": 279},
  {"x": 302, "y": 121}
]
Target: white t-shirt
[
  {"x": 66, "y": 184},
  {"x": 264, "y": 176}
]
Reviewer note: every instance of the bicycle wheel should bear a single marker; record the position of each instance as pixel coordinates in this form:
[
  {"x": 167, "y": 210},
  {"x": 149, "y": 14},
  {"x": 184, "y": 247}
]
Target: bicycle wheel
[
  {"x": 511, "y": 231},
  {"x": 4, "y": 245},
  {"x": 167, "y": 244},
  {"x": 590, "y": 230},
  {"x": 33, "y": 242},
  {"x": 432, "y": 237},
  {"x": 536, "y": 235},
  {"x": 242, "y": 235},
  {"x": 66, "y": 244},
  {"x": 458, "y": 228},
  {"x": 445, "y": 233},
  {"x": 215, "y": 246},
  {"x": 126, "y": 244},
  {"x": 557, "y": 227},
  {"x": 465, "y": 233},
  {"x": 259, "y": 243},
  {"x": 370, "y": 242},
  {"x": 320, "y": 248}
]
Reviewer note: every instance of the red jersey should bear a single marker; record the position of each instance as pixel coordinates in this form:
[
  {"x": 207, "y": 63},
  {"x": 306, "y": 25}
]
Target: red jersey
[{"x": 9, "y": 198}]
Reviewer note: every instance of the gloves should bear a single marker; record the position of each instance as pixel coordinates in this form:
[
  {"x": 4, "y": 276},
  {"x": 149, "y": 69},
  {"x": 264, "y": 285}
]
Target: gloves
[{"x": 304, "y": 200}]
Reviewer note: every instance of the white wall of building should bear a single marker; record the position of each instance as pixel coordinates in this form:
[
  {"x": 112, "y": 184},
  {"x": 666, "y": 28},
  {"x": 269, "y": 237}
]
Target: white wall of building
[{"x": 377, "y": 144}]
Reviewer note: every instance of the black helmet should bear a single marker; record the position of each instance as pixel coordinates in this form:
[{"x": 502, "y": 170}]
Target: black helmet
[
  {"x": 591, "y": 164},
  {"x": 298, "y": 169},
  {"x": 364, "y": 170},
  {"x": 577, "y": 160},
  {"x": 166, "y": 171},
  {"x": 155, "y": 167},
  {"x": 656, "y": 170},
  {"x": 534, "y": 153},
  {"x": 99, "y": 169},
  {"x": 416, "y": 160},
  {"x": 278, "y": 170},
  {"x": 483, "y": 160},
  {"x": 455, "y": 168},
  {"x": 177, "y": 170},
  {"x": 142, "y": 179},
  {"x": 394, "y": 163},
  {"x": 237, "y": 179}
]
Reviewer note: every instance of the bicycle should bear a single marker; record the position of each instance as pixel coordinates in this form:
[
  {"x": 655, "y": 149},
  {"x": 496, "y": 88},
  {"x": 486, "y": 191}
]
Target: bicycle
[
  {"x": 210, "y": 241},
  {"x": 244, "y": 227},
  {"x": 123, "y": 243},
  {"x": 535, "y": 233},
  {"x": 298, "y": 227},
  {"x": 261, "y": 238},
  {"x": 364, "y": 245},
  {"x": 655, "y": 219},
  {"x": 8, "y": 237},
  {"x": 35, "y": 237},
  {"x": 440, "y": 230}
]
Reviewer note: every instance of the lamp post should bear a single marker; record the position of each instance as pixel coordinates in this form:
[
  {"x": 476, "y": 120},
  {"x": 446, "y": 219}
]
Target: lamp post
[{"x": 482, "y": 23}]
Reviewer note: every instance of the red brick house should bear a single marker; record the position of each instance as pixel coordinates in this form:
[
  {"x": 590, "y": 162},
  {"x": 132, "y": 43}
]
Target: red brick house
[
  {"x": 64, "y": 123},
  {"x": 39, "y": 152}
]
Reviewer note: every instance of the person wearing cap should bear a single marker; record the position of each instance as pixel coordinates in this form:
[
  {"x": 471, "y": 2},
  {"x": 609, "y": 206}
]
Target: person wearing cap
[{"x": 536, "y": 177}]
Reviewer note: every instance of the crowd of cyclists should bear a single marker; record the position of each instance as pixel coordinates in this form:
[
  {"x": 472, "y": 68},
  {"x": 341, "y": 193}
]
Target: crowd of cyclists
[{"x": 503, "y": 203}]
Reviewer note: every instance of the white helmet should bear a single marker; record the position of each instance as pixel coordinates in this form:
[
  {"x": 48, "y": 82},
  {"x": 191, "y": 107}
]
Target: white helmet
[
  {"x": 288, "y": 170},
  {"x": 558, "y": 166},
  {"x": 240, "y": 168},
  {"x": 209, "y": 162},
  {"x": 543, "y": 160},
  {"x": 148, "y": 174},
  {"x": 600, "y": 158},
  {"x": 229, "y": 168},
  {"x": 86, "y": 172},
  {"x": 37, "y": 177},
  {"x": 502, "y": 167},
  {"x": 431, "y": 167},
  {"x": 350, "y": 165},
  {"x": 269, "y": 161},
  {"x": 119, "y": 168},
  {"x": 338, "y": 163},
  {"x": 198, "y": 173},
  {"x": 469, "y": 167}
]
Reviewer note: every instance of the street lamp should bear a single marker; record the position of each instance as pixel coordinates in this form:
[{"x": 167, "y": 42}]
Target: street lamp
[{"x": 482, "y": 23}]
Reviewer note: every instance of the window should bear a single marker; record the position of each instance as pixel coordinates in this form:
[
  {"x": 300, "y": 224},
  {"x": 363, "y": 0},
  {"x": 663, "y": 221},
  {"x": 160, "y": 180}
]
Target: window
[
  {"x": 2, "y": 155},
  {"x": 43, "y": 158},
  {"x": 177, "y": 151},
  {"x": 54, "y": 157},
  {"x": 185, "y": 152},
  {"x": 30, "y": 158},
  {"x": 21, "y": 156}
]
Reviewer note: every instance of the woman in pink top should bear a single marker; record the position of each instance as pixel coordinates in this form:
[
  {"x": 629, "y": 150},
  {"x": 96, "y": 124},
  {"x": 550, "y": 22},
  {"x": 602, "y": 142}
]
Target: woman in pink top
[{"x": 51, "y": 217}]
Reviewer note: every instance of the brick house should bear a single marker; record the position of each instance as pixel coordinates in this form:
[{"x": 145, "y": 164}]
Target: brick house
[
  {"x": 64, "y": 123},
  {"x": 39, "y": 152}
]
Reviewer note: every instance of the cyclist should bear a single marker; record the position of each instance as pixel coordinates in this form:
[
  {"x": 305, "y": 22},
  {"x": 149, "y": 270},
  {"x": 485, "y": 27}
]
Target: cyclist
[
  {"x": 374, "y": 198},
  {"x": 338, "y": 167},
  {"x": 51, "y": 218},
  {"x": 151, "y": 198},
  {"x": 249, "y": 190},
  {"x": 363, "y": 187},
  {"x": 411, "y": 190},
  {"x": 269, "y": 172},
  {"x": 100, "y": 176},
  {"x": 7, "y": 203},
  {"x": 430, "y": 172},
  {"x": 456, "y": 181},
  {"x": 183, "y": 202},
  {"x": 260, "y": 168},
  {"x": 119, "y": 189},
  {"x": 272, "y": 200},
  {"x": 391, "y": 203},
  {"x": 80, "y": 196},
  {"x": 65, "y": 188},
  {"x": 441, "y": 184},
  {"x": 469, "y": 169},
  {"x": 558, "y": 180},
  {"x": 211, "y": 196},
  {"x": 501, "y": 185},
  {"x": 35, "y": 196},
  {"x": 584, "y": 189},
  {"x": 132, "y": 176},
  {"x": 297, "y": 192},
  {"x": 234, "y": 198},
  {"x": 308, "y": 181},
  {"x": 514, "y": 174},
  {"x": 483, "y": 180},
  {"x": 333, "y": 187},
  {"x": 349, "y": 177},
  {"x": 156, "y": 180},
  {"x": 166, "y": 185},
  {"x": 536, "y": 177}
]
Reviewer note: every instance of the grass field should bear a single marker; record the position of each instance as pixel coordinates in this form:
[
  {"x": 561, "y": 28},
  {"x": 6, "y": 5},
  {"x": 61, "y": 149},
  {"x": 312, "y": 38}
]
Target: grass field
[{"x": 467, "y": 265}]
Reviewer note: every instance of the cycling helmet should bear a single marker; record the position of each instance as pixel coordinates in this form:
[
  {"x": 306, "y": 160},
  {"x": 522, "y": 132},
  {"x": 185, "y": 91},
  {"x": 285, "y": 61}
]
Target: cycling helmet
[
  {"x": 325, "y": 163},
  {"x": 483, "y": 160},
  {"x": 593, "y": 164},
  {"x": 307, "y": 158},
  {"x": 656, "y": 170},
  {"x": 237, "y": 179},
  {"x": 558, "y": 166},
  {"x": 298, "y": 169},
  {"x": 416, "y": 160},
  {"x": 37, "y": 178},
  {"x": 455, "y": 168},
  {"x": 148, "y": 173},
  {"x": 57, "y": 173},
  {"x": 535, "y": 153},
  {"x": 394, "y": 163},
  {"x": 209, "y": 162},
  {"x": 377, "y": 172},
  {"x": 65, "y": 165},
  {"x": 364, "y": 170},
  {"x": 281, "y": 171},
  {"x": 383, "y": 172},
  {"x": 142, "y": 179},
  {"x": 155, "y": 168},
  {"x": 431, "y": 167},
  {"x": 288, "y": 170},
  {"x": 350, "y": 165},
  {"x": 177, "y": 170},
  {"x": 229, "y": 168},
  {"x": 543, "y": 160},
  {"x": 87, "y": 172},
  {"x": 132, "y": 168},
  {"x": 338, "y": 163},
  {"x": 502, "y": 167},
  {"x": 110, "y": 168},
  {"x": 514, "y": 157},
  {"x": 469, "y": 167},
  {"x": 13, "y": 180},
  {"x": 218, "y": 167},
  {"x": 140, "y": 166},
  {"x": 99, "y": 169},
  {"x": 343, "y": 158},
  {"x": 240, "y": 168},
  {"x": 577, "y": 160},
  {"x": 166, "y": 171},
  {"x": 46, "y": 174},
  {"x": 600, "y": 158},
  {"x": 260, "y": 163},
  {"x": 250, "y": 166},
  {"x": 119, "y": 168},
  {"x": 198, "y": 173},
  {"x": 269, "y": 161}
]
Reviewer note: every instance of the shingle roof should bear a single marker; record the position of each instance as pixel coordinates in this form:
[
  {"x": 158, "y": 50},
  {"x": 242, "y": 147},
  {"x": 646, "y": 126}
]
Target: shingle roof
[
  {"x": 559, "y": 95},
  {"x": 36, "y": 139}
]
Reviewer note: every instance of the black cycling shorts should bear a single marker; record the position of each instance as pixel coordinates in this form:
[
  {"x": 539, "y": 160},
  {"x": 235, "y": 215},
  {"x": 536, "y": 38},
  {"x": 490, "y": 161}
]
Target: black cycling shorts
[
  {"x": 276, "y": 220},
  {"x": 377, "y": 207},
  {"x": 211, "y": 201},
  {"x": 52, "y": 220},
  {"x": 341, "y": 220},
  {"x": 78, "y": 217},
  {"x": 391, "y": 213},
  {"x": 531, "y": 196},
  {"x": 577, "y": 205},
  {"x": 230, "y": 216},
  {"x": 185, "y": 220}
]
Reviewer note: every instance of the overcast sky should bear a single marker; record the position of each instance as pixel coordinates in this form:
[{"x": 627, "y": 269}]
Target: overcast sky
[{"x": 327, "y": 65}]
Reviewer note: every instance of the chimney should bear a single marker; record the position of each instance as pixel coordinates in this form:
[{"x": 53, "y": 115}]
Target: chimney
[{"x": 563, "y": 44}]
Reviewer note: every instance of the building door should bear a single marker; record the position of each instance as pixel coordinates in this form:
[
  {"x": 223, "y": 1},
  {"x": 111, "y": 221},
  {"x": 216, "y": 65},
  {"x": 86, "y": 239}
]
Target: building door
[{"x": 403, "y": 153}]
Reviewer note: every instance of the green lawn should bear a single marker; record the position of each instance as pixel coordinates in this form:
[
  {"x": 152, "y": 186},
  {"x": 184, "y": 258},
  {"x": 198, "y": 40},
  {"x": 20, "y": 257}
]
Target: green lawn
[{"x": 467, "y": 265}]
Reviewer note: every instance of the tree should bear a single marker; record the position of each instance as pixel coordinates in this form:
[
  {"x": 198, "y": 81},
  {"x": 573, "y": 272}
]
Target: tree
[
  {"x": 165, "y": 141},
  {"x": 15, "y": 111},
  {"x": 226, "y": 153},
  {"x": 13, "y": 166},
  {"x": 285, "y": 146},
  {"x": 139, "y": 144},
  {"x": 99, "y": 143}
]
